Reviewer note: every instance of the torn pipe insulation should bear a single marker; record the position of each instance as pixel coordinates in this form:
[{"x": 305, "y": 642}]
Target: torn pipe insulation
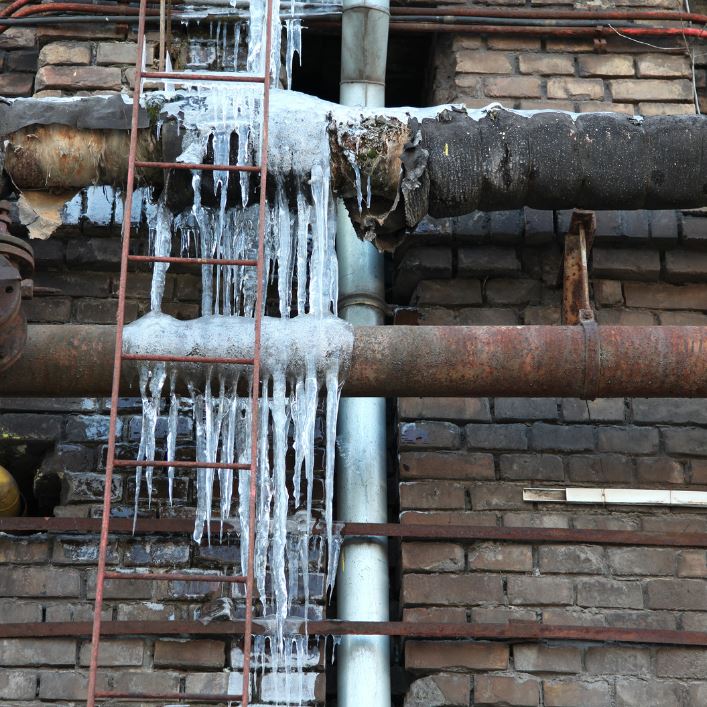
[
  {"x": 71, "y": 360},
  {"x": 391, "y": 166}
]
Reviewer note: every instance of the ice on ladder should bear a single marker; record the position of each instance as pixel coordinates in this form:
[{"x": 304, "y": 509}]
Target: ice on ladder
[{"x": 305, "y": 355}]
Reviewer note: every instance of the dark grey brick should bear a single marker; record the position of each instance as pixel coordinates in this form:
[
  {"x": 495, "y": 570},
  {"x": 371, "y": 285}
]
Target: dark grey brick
[
  {"x": 685, "y": 440},
  {"x": 525, "y": 409},
  {"x": 625, "y": 264},
  {"x": 428, "y": 434},
  {"x": 670, "y": 410},
  {"x": 569, "y": 438},
  {"x": 630, "y": 440},
  {"x": 496, "y": 436},
  {"x": 487, "y": 260},
  {"x": 521, "y": 467}
]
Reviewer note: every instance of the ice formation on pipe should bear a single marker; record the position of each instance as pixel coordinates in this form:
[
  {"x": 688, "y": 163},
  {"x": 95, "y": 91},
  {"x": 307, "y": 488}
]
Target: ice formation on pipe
[{"x": 305, "y": 351}]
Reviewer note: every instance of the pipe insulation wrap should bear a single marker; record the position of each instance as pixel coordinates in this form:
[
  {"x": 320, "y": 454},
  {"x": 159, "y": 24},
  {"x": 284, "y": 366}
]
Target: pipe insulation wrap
[{"x": 552, "y": 160}]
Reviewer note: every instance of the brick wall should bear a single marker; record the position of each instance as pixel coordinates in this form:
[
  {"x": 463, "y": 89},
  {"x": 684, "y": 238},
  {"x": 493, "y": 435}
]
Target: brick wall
[
  {"x": 466, "y": 461},
  {"x": 57, "y": 448},
  {"x": 564, "y": 74},
  {"x": 460, "y": 460}
]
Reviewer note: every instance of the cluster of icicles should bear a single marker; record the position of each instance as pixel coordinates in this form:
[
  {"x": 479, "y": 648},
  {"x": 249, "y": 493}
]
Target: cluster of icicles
[{"x": 300, "y": 257}]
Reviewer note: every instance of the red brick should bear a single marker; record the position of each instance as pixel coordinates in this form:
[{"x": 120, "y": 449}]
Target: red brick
[
  {"x": 432, "y": 495},
  {"x": 37, "y": 651},
  {"x": 74, "y": 53},
  {"x": 513, "y": 87},
  {"x": 41, "y": 581},
  {"x": 661, "y": 470},
  {"x": 190, "y": 654},
  {"x": 663, "y": 66},
  {"x": 443, "y": 589},
  {"x": 576, "y": 693},
  {"x": 606, "y": 65},
  {"x": 434, "y": 557},
  {"x": 692, "y": 563},
  {"x": 601, "y": 592},
  {"x": 650, "y": 90},
  {"x": 575, "y": 88},
  {"x": 618, "y": 660},
  {"x": 496, "y": 689},
  {"x": 675, "y": 594},
  {"x": 436, "y": 655},
  {"x": 115, "y": 652},
  {"x": 642, "y": 560},
  {"x": 534, "y": 658},
  {"x": 544, "y": 64},
  {"x": 634, "y": 692},
  {"x": 446, "y": 465},
  {"x": 572, "y": 559},
  {"x": 475, "y": 62},
  {"x": 16, "y": 84},
  {"x": 540, "y": 590},
  {"x": 501, "y": 557},
  {"x": 681, "y": 662},
  {"x": 78, "y": 77},
  {"x": 434, "y": 614}
]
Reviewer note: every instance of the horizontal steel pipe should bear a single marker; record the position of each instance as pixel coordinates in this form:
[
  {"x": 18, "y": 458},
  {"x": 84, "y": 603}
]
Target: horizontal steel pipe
[{"x": 76, "y": 360}]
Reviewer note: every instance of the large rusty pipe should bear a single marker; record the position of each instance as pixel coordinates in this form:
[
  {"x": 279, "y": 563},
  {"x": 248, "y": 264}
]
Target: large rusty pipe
[{"x": 671, "y": 361}]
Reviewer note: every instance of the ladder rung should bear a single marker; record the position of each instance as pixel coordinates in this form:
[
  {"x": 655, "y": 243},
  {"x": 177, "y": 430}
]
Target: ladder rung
[
  {"x": 191, "y": 261},
  {"x": 188, "y": 359},
  {"x": 184, "y": 464},
  {"x": 177, "y": 577},
  {"x": 190, "y": 76},
  {"x": 192, "y": 696},
  {"x": 195, "y": 165}
]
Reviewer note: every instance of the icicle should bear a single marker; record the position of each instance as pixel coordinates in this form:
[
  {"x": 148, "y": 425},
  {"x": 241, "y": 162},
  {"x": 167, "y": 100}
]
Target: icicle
[{"x": 172, "y": 432}]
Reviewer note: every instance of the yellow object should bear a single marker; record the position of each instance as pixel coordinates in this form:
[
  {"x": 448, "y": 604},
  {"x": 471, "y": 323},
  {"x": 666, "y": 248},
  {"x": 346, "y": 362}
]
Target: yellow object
[{"x": 10, "y": 499}]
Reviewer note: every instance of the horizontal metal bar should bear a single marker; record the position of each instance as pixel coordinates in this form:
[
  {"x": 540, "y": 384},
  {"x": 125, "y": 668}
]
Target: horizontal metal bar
[
  {"x": 410, "y": 531},
  {"x": 188, "y": 76},
  {"x": 154, "y": 696},
  {"x": 176, "y": 577},
  {"x": 188, "y": 359},
  {"x": 68, "y": 360},
  {"x": 191, "y": 261},
  {"x": 196, "y": 165},
  {"x": 522, "y": 631},
  {"x": 182, "y": 464}
]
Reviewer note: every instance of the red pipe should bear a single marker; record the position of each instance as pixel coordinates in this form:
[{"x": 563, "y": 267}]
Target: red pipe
[{"x": 542, "y": 14}]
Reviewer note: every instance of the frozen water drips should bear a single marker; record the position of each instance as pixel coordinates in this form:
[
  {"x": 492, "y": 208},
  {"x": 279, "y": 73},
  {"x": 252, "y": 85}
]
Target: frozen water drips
[{"x": 305, "y": 349}]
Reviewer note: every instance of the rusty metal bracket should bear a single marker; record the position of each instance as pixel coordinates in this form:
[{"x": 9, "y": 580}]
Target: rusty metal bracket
[{"x": 575, "y": 281}]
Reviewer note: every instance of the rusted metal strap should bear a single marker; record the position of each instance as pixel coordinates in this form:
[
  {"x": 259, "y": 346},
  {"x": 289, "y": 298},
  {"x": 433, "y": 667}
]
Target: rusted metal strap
[
  {"x": 592, "y": 354},
  {"x": 523, "y": 631}
]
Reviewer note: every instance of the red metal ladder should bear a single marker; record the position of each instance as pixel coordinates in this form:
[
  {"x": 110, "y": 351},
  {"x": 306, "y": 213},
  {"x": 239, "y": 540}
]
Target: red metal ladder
[{"x": 93, "y": 694}]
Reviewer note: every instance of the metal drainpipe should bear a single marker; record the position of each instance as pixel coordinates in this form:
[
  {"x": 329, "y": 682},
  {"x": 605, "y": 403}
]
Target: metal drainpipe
[{"x": 362, "y": 586}]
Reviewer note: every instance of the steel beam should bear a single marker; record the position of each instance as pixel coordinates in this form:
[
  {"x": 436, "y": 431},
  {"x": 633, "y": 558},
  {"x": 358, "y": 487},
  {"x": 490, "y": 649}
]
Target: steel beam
[{"x": 623, "y": 361}]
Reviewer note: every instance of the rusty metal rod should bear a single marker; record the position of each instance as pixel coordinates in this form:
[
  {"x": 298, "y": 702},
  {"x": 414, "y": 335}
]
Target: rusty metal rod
[
  {"x": 669, "y": 361},
  {"x": 410, "y": 531},
  {"x": 176, "y": 577},
  {"x": 491, "y": 632}
]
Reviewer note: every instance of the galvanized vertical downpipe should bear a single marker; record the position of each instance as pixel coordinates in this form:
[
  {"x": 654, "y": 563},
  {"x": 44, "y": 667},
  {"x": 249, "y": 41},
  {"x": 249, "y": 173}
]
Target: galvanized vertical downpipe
[{"x": 362, "y": 586}]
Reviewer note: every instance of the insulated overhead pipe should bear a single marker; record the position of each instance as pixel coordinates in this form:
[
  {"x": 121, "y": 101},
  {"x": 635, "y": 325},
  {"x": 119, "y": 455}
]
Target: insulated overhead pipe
[{"x": 71, "y": 360}]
